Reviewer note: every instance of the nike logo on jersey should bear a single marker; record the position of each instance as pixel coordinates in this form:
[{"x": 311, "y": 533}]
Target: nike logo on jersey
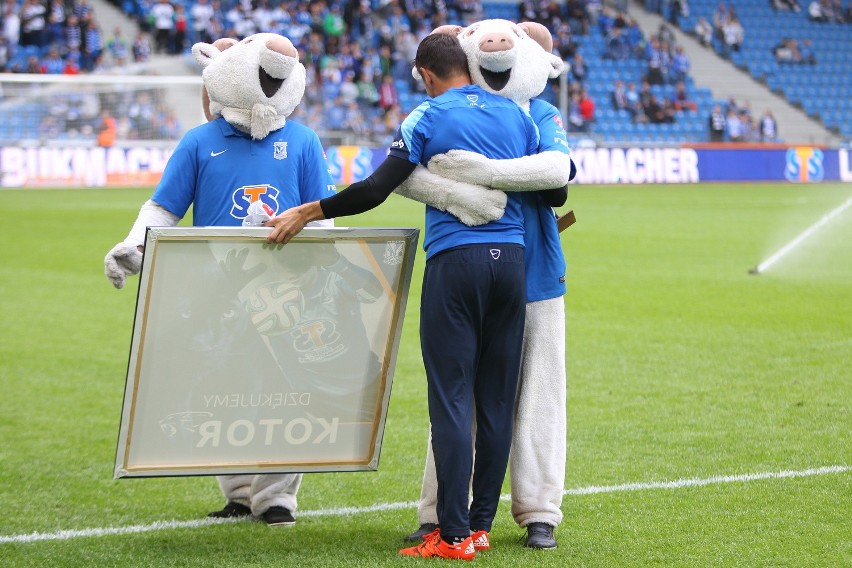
[{"x": 214, "y": 154}]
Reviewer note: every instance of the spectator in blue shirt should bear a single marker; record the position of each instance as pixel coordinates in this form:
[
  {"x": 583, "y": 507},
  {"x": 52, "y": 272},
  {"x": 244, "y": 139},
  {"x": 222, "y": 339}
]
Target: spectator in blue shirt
[
  {"x": 52, "y": 63},
  {"x": 680, "y": 66}
]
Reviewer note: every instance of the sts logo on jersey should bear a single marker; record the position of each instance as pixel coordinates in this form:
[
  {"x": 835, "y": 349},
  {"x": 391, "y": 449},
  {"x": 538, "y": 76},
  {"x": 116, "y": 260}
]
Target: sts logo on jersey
[
  {"x": 804, "y": 164},
  {"x": 317, "y": 341},
  {"x": 248, "y": 194}
]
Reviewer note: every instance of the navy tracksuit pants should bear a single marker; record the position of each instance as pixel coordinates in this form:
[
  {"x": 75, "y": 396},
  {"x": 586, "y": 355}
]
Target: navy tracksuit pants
[{"x": 471, "y": 330}]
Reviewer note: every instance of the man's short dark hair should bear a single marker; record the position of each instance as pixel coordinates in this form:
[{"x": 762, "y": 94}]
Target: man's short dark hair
[{"x": 442, "y": 54}]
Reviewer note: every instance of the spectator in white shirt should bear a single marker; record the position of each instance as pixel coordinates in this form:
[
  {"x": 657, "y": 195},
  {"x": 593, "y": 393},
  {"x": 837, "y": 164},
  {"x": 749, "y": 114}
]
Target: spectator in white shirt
[
  {"x": 201, "y": 13},
  {"x": 704, "y": 31},
  {"x": 768, "y": 127},
  {"x": 163, "y": 13},
  {"x": 734, "y": 126}
]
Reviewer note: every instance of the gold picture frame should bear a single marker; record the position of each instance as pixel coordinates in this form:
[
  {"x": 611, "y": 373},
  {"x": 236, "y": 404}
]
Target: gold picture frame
[{"x": 255, "y": 358}]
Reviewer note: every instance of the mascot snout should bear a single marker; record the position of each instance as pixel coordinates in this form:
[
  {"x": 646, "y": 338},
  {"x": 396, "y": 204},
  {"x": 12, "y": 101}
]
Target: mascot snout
[
  {"x": 276, "y": 62},
  {"x": 497, "y": 57},
  {"x": 495, "y": 41}
]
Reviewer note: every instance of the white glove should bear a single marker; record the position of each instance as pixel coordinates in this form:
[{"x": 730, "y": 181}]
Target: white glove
[
  {"x": 121, "y": 261},
  {"x": 125, "y": 258},
  {"x": 257, "y": 214},
  {"x": 475, "y": 205},
  {"x": 471, "y": 204}
]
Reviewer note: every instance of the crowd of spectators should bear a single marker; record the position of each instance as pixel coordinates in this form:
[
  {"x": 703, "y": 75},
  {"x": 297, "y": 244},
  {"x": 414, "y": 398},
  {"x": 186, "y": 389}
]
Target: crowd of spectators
[
  {"x": 725, "y": 27},
  {"x": 829, "y": 11},
  {"x": 645, "y": 106},
  {"x": 791, "y": 50},
  {"x": 729, "y": 33},
  {"x": 728, "y": 28},
  {"x": 736, "y": 123},
  {"x": 62, "y": 37},
  {"x": 357, "y": 53},
  {"x": 138, "y": 114},
  {"x": 668, "y": 64}
]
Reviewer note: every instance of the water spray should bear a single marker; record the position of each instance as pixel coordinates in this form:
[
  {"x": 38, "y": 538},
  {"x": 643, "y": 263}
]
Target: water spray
[{"x": 798, "y": 240}]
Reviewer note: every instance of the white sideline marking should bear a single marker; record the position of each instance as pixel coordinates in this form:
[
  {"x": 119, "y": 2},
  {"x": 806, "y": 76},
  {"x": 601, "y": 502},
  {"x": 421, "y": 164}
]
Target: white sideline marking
[
  {"x": 707, "y": 481},
  {"x": 339, "y": 512}
]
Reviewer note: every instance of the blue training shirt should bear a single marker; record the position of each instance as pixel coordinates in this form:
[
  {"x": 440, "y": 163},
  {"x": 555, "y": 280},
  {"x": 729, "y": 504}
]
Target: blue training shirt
[
  {"x": 221, "y": 171},
  {"x": 545, "y": 262},
  {"x": 468, "y": 118}
]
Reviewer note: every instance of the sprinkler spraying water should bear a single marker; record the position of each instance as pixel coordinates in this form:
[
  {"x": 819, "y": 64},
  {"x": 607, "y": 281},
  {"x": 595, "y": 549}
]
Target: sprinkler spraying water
[{"x": 802, "y": 236}]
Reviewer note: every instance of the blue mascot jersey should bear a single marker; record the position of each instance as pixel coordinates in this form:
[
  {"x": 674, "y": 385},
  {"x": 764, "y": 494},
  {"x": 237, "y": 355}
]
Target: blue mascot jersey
[
  {"x": 467, "y": 118},
  {"x": 545, "y": 263},
  {"x": 220, "y": 171}
]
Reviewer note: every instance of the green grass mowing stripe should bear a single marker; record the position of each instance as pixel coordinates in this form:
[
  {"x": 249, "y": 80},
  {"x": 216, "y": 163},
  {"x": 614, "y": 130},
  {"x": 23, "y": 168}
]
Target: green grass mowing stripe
[{"x": 680, "y": 365}]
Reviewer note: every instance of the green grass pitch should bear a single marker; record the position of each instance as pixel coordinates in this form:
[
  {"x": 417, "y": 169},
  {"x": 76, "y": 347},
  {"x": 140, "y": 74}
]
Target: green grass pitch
[{"x": 681, "y": 366}]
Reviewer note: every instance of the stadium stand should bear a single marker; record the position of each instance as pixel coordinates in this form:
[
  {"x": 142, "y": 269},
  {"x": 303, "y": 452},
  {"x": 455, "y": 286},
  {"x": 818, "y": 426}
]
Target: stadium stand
[
  {"x": 358, "y": 55},
  {"x": 795, "y": 55}
]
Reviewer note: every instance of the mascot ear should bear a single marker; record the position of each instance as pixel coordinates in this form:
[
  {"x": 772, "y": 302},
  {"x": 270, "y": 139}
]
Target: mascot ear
[
  {"x": 221, "y": 44},
  {"x": 224, "y": 43},
  {"x": 557, "y": 66},
  {"x": 445, "y": 29},
  {"x": 539, "y": 33},
  {"x": 205, "y": 53}
]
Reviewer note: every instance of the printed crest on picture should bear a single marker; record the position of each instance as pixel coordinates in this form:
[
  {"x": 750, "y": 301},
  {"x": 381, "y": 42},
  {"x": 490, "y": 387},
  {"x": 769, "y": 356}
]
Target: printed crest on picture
[{"x": 393, "y": 253}]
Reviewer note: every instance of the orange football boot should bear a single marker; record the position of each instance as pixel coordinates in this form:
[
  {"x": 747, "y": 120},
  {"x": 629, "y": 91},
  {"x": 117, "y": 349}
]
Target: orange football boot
[
  {"x": 481, "y": 540},
  {"x": 433, "y": 546}
]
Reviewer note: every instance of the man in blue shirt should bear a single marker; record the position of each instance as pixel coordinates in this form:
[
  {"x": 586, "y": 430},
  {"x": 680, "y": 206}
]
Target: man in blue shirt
[
  {"x": 537, "y": 462},
  {"x": 473, "y": 296}
]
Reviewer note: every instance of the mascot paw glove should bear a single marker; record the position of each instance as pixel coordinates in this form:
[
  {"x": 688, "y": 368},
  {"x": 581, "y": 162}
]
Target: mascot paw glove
[
  {"x": 121, "y": 261},
  {"x": 464, "y": 166},
  {"x": 475, "y": 205}
]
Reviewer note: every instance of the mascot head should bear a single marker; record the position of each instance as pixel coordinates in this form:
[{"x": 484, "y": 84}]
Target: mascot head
[
  {"x": 508, "y": 59},
  {"x": 254, "y": 84}
]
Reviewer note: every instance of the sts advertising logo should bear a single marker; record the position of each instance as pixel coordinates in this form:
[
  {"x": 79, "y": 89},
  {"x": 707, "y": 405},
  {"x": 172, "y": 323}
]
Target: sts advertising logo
[
  {"x": 349, "y": 164},
  {"x": 804, "y": 164}
]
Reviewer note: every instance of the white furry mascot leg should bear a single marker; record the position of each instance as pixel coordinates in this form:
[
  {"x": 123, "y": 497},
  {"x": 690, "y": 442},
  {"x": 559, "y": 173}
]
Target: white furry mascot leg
[{"x": 537, "y": 462}]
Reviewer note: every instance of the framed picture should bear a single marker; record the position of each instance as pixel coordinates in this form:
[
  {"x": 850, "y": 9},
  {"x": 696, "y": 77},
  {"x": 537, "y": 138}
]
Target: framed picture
[{"x": 255, "y": 358}]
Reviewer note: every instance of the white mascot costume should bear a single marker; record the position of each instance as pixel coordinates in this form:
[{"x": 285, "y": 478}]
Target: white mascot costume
[
  {"x": 515, "y": 61},
  {"x": 254, "y": 85}
]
